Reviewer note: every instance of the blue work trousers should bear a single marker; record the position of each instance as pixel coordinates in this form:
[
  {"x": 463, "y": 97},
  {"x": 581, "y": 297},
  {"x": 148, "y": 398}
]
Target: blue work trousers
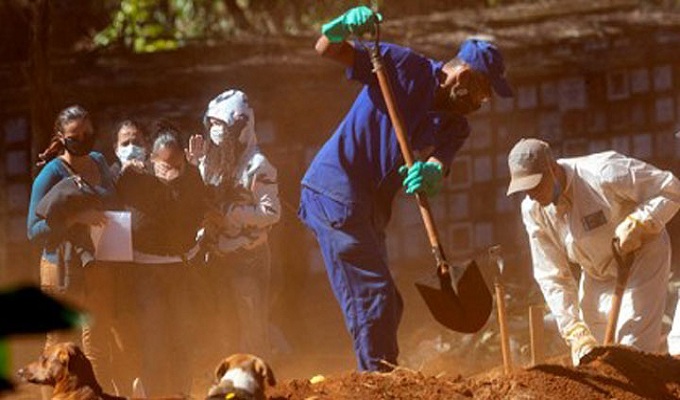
[{"x": 352, "y": 241}]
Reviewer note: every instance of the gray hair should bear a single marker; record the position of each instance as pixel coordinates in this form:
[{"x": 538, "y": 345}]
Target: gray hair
[{"x": 166, "y": 139}]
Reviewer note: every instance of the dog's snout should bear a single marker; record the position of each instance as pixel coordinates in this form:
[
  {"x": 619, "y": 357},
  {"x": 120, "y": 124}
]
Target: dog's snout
[{"x": 23, "y": 373}]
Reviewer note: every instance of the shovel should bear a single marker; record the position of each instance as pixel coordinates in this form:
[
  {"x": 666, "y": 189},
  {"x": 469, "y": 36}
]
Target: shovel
[
  {"x": 457, "y": 296},
  {"x": 495, "y": 256},
  {"x": 623, "y": 272}
]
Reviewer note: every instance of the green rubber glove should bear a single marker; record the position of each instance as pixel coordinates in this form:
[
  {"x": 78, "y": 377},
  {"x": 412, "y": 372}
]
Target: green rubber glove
[
  {"x": 424, "y": 177},
  {"x": 358, "y": 20}
]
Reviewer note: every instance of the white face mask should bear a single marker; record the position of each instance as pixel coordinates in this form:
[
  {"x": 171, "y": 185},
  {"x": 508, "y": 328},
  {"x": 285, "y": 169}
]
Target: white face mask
[
  {"x": 217, "y": 133},
  {"x": 131, "y": 152}
]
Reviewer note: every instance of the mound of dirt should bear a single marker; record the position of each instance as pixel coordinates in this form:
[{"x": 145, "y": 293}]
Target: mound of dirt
[{"x": 608, "y": 373}]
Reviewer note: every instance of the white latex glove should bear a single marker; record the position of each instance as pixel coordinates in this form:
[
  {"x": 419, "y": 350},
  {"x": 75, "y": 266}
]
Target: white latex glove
[
  {"x": 629, "y": 233},
  {"x": 581, "y": 341}
]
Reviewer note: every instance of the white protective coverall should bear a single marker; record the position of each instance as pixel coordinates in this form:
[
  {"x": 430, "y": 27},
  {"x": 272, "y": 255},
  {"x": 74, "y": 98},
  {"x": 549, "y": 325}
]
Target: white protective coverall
[
  {"x": 243, "y": 264},
  {"x": 247, "y": 221},
  {"x": 601, "y": 191}
]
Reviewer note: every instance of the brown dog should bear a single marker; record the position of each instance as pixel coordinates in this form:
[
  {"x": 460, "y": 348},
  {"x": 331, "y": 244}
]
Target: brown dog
[
  {"x": 241, "y": 377},
  {"x": 65, "y": 367}
]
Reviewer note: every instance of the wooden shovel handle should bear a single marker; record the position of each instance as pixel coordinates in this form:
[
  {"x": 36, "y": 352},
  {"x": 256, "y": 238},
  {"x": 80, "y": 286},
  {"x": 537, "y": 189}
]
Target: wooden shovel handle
[
  {"x": 503, "y": 326},
  {"x": 622, "y": 273},
  {"x": 400, "y": 130}
]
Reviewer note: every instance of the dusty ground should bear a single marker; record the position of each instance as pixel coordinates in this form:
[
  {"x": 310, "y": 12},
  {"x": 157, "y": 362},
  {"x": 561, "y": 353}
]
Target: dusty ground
[
  {"x": 612, "y": 373},
  {"x": 435, "y": 364}
]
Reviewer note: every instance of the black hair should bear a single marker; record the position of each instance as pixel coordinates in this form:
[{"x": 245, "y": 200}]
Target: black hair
[
  {"x": 56, "y": 146},
  {"x": 128, "y": 123}
]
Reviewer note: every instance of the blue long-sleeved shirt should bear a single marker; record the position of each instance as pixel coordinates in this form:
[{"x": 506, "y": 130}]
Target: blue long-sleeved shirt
[
  {"x": 49, "y": 237},
  {"x": 359, "y": 162}
]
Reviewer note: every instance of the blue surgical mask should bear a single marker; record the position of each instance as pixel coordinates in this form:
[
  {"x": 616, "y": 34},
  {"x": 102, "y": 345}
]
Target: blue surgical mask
[{"x": 131, "y": 152}]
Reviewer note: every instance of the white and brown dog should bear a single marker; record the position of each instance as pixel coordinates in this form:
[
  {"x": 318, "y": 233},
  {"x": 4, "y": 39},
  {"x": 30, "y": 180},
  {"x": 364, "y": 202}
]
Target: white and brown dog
[{"x": 241, "y": 377}]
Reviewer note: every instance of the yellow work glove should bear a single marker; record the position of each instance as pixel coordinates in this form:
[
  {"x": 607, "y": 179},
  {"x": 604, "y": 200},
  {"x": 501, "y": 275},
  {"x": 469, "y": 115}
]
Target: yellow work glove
[
  {"x": 580, "y": 340},
  {"x": 630, "y": 233}
]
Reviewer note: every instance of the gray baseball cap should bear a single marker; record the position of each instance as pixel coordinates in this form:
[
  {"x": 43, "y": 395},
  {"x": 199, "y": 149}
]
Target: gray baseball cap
[{"x": 527, "y": 161}]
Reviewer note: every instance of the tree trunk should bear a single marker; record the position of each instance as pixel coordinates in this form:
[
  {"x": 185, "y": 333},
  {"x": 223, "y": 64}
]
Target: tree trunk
[
  {"x": 240, "y": 20},
  {"x": 40, "y": 77}
]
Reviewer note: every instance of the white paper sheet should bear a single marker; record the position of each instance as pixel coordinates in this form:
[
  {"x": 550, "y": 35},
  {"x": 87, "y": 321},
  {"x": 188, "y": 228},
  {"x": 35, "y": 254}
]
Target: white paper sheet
[{"x": 113, "y": 241}]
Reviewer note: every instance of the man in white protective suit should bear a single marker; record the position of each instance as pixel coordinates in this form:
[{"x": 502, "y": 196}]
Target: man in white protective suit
[{"x": 573, "y": 209}]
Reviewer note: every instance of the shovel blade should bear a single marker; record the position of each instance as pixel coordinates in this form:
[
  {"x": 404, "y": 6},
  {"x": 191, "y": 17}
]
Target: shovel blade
[{"x": 462, "y": 303}]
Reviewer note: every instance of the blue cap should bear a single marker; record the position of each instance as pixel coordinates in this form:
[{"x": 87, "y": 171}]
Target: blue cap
[{"x": 484, "y": 57}]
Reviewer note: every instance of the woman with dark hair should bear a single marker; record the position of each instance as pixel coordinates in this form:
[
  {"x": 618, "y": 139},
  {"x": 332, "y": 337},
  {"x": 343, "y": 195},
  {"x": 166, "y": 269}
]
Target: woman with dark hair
[
  {"x": 131, "y": 146},
  {"x": 245, "y": 206},
  {"x": 66, "y": 242}
]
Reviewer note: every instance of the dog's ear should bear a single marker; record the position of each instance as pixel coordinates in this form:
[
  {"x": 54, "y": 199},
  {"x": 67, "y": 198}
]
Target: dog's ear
[
  {"x": 265, "y": 371},
  {"x": 79, "y": 364},
  {"x": 63, "y": 355},
  {"x": 60, "y": 359},
  {"x": 222, "y": 369}
]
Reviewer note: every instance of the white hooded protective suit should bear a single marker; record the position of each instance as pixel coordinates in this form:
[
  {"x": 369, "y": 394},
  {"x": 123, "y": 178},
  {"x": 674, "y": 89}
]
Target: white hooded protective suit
[
  {"x": 247, "y": 220},
  {"x": 247, "y": 196},
  {"x": 601, "y": 191}
]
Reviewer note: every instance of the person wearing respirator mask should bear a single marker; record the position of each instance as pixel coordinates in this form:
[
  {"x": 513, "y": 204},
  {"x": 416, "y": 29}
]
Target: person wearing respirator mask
[
  {"x": 168, "y": 186},
  {"x": 130, "y": 146},
  {"x": 65, "y": 238},
  {"x": 167, "y": 207},
  {"x": 573, "y": 209},
  {"x": 244, "y": 206}
]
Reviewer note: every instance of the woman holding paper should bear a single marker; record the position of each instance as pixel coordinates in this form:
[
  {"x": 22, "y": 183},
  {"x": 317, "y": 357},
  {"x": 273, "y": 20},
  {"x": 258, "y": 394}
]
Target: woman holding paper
[
  {"x": 62, "y": 229},
  {"x": 167, "y": 207}
]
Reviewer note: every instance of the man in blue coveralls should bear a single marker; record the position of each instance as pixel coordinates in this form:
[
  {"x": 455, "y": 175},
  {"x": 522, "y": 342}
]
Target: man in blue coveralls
[{"x": 348, "y": 189}]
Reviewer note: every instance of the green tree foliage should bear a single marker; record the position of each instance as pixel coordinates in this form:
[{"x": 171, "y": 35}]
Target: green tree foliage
[{"x": 153, "y": 25}]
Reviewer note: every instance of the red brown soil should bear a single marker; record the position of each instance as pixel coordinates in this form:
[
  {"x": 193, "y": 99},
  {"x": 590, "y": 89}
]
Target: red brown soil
[{"x": 610, "y": 373}]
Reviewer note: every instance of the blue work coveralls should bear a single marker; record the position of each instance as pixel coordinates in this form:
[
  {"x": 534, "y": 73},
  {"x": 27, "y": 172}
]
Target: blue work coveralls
[{"x": 348, "y": 190}]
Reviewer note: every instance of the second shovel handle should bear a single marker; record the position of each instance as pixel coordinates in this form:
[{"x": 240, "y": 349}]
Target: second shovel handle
[
  {"x": 503, "y": 327},
  {"x": 623, "y": 264}
]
